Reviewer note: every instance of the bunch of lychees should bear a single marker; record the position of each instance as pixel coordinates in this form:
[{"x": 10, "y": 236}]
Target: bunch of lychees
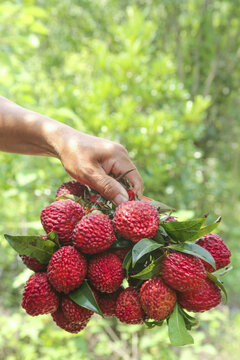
[{"x": 130, "y": 261}]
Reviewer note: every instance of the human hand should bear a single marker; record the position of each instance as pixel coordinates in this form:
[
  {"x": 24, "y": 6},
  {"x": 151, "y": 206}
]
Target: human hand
[{"x": 91, "y": 159}]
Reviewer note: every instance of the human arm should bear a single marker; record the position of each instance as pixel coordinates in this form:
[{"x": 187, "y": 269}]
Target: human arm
[{"x": 86, "y": 158}]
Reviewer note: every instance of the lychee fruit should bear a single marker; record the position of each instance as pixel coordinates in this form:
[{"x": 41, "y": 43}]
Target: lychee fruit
[
  {"x": 183, "y": 272},
  {"x": 128, "y": 307},
  {"x": 61, "y": 321},
  {"x": 38, "y": 296},
  {"x": 105, "y": 272},
  {"x": 202, "y": 299},
  {"x": 135, "y": 220},
  {"x": 32, "y": 263},
  {"x": 94, "y": 233},
  {"x": 157, "y": 299},
  {"x": 74, "y": 312},
  {"x": 67, "y": 269},
  {"x": 62, "y": 216},
  {"x": 217, "y": 248},
  {"x": 72, "y": 187},
  {"x": 107, "y": 302}
]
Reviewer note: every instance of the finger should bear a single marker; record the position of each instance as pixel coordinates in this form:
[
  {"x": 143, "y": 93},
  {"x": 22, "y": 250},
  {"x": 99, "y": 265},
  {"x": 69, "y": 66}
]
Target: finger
[
  {"x": 133, "y": 177},
  {"x": 107, "y": 186}
]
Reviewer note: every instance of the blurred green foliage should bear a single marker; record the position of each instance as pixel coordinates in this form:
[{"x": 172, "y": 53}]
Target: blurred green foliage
[{"x": 162, "y": 78}]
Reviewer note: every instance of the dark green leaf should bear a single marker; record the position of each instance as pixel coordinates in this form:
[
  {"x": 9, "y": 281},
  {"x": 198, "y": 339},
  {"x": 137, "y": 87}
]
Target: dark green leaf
[
  {"x": 177, "y": 330},
  {"x": 189, "y": 320},
  {"x": 158, "y": 236},
  {"x": 143, "y": 247},
  {"x": 34, "y": 246},
  {"x": 218, "y": 283},
  {"x": 151, "y": 270},
  {"x": 54, "y": 237},
  {"x": 152, "y": 324},
  {"x": 84, "y": 296},
  {"x": 162, "y": 208},
  {"x": 127, "y": 262},
  {"x": 183, "y": 230},
  {"x": 206, "y": 230},
  {"x": 196, "y": 250},
  {"x": 120, "y": 243}
]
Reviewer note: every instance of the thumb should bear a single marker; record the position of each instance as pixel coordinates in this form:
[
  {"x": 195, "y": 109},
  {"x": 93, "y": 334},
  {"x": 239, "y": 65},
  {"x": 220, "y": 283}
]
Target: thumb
[{"x": 108, "y": 187}]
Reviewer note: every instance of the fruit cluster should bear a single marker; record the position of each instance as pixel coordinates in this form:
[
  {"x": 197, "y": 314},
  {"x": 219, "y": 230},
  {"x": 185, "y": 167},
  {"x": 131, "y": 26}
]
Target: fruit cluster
[{"x": 130, "y": 261}]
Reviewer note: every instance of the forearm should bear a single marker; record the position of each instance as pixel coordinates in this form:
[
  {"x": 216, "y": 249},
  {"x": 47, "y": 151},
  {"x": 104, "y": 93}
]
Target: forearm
[
  {"x": 26, "y": 132},
  {"x": 86, "y": 158}
]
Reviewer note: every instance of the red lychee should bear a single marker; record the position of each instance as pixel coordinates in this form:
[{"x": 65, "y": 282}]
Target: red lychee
[
  {"x": 74, "y": 312},
  {"x": 61, "y": 321},
  {"x": 62, "y": 216},
  {"x": 157, "y": 299},
  {"x": 67, "y": 269},
  {"x": 105, "y": 272},
  {"x": 217, "y": 248},
  {"x": 72, "y": 187},
  {"x": 183, "y": 272},
  {"x": 38, "y": 296},
  {"x": 128, "y": 307},
  {"x": 135, "y": 220},
  {"x": 107, "y": 302},
  {"x": 202, "y": 299},
  {"x": 32, "y": 263},
  {"x": 94, "y": 233}
]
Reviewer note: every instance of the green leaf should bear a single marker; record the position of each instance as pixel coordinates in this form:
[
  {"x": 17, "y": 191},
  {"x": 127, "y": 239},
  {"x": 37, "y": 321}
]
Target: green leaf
[
  {"x": 152, "y": 324},
  {"x": 183, "y": 230},
  {"x": 34, "y": 246},
  {"x": 127, "y": 262},
  {"x": 177, "y": 330},
  {"x": 206, "y": 230},
  {"x": 53, "y": 236},
  {"x": 84, "y": 297},
  {"x": 121, "y": 243},
  {"x": 190, "y": 321},
  {"x": 162, "y": 208},
  {"x": 196, "y": 250},
  {"x": 150, "y": 271},
  {"x": 214, "y": 279},
  {"x": 143, "y": 247}
]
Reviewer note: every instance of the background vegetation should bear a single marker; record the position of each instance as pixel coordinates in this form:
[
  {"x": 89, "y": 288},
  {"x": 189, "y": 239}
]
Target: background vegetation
[{"x": 162, "y": 78}]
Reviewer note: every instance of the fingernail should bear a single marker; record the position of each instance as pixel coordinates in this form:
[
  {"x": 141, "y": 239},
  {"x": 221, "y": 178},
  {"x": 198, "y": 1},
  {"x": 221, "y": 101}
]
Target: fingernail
[{"x": 119, "y": 199}]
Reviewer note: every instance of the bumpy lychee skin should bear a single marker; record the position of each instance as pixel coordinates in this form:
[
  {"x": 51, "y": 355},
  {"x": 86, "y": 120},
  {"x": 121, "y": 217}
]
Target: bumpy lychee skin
[
  {"x": 94, "y": 233},
  {"x": 217, "y": 248},
  {"x": 136, "y": 220},
  {"x": 74, "y": 312},
  {"x": 202, "y": 299},
  {"x": 157, "y": 299},
  {"x": 32, "y": 263},
  {"x": 107, "y": 302},
  {"x": 62, "y": 216},
  {"x": 38, "y": 296},
  {"x": 67, "y": 269},
  {"x": 183, "y": 272},
  {"x": 72, "y": 187},
  {"x": 128, "y": 307},
  {"x": 61, "y": 321},
  {"x": 105, "y": 272}
]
